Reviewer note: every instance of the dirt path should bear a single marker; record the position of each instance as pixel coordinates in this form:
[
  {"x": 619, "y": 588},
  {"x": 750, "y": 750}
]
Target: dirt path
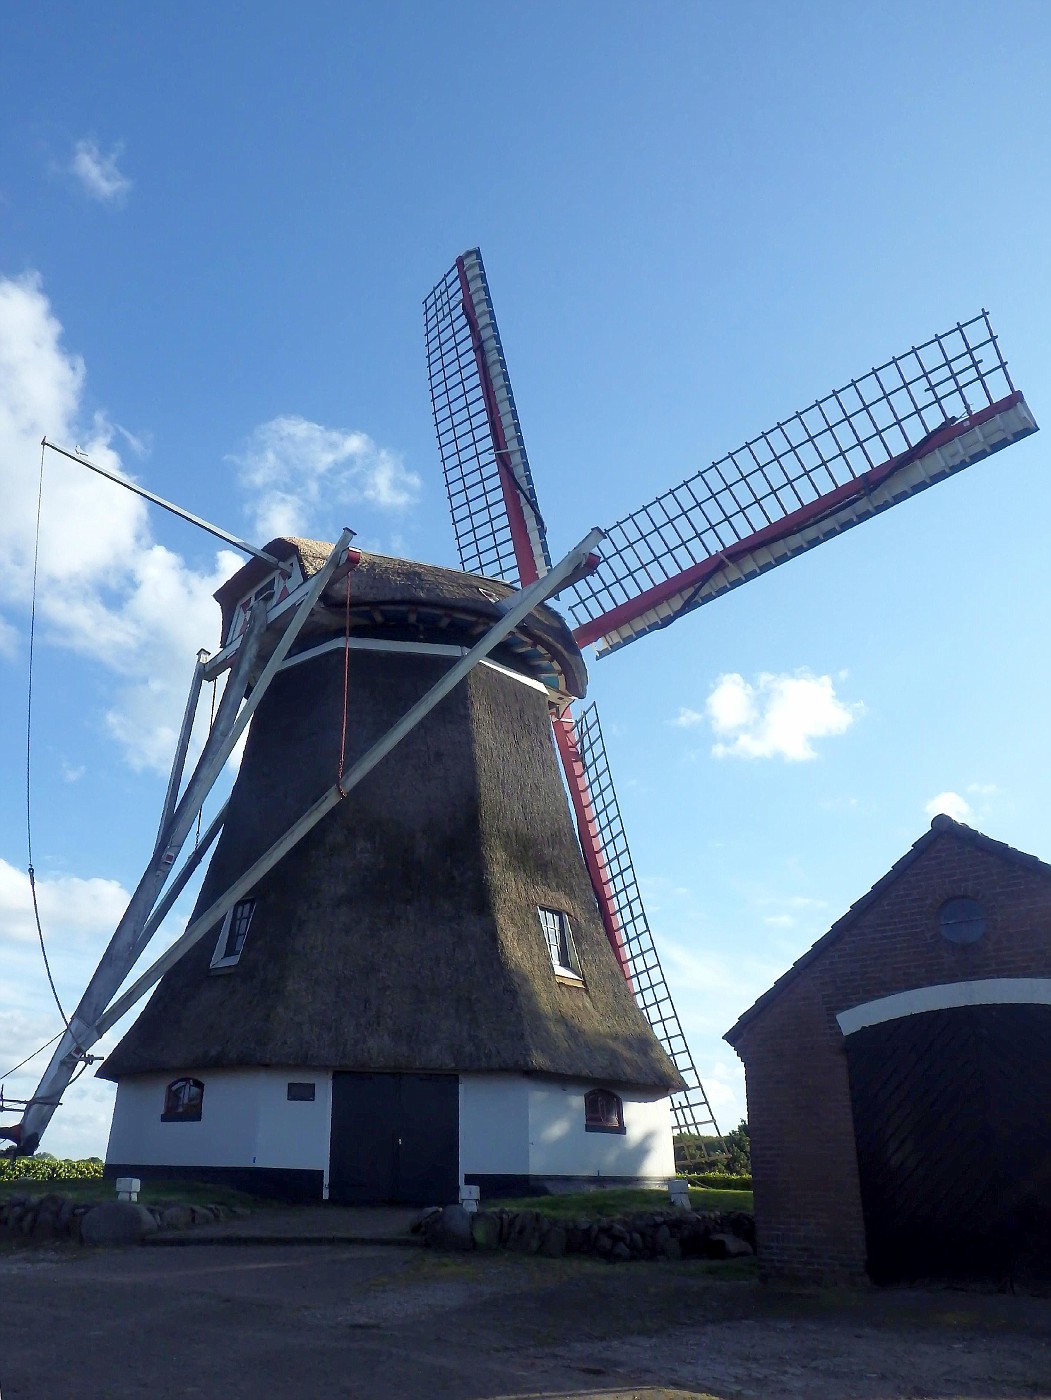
[{"x": 366, "y": 1322}]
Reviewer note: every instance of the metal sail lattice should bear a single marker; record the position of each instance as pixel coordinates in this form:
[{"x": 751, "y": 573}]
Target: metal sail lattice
[
  {"x": 778, "y": 484},
  {"x": 464, "y": 367},
  {"x": 691, "y": 1110}
]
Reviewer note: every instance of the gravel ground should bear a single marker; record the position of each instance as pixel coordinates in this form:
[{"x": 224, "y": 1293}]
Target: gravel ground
[{"x": 364, "y": 1321}]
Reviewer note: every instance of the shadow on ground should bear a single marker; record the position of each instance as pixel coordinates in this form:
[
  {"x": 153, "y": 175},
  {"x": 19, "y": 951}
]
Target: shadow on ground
[{"x": 363, "y": 1321}]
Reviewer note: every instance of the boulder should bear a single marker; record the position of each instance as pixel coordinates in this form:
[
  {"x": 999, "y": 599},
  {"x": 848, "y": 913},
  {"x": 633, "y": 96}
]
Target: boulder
[
  {"x": 451, "y": 1229},
  {"x": 485, "y": 1230},
  {"x": 419, "y": 1222},
  {"x": 176, "y": 1218},
  {"x": 116, "y": 1222},
  {"x": 723, "y": 1245},
  {"x": 553, "y": 1245}
]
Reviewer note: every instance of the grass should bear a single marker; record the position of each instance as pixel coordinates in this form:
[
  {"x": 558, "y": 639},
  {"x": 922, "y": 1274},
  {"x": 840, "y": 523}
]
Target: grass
[
  {"x": 622, "y": 1201},
  {"x": 99, "y": 1189}
]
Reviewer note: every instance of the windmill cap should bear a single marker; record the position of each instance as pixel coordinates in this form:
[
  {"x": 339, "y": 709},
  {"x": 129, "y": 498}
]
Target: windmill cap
[{"x": 390, "y": 597}]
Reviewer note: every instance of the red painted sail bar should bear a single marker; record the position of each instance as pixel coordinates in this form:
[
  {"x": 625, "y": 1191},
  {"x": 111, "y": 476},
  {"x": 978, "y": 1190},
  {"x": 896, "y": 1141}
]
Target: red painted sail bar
[
  {"x": 520, "y": 534},
  {"x": 692, "y": 579},
  {"x": 590, "y": 839}
]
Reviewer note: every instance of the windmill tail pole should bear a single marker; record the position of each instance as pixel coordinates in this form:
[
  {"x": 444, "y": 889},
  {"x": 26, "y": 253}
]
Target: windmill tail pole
[
  {"x": 526, "y": 601},
  {"x": 205, "y": 525}
]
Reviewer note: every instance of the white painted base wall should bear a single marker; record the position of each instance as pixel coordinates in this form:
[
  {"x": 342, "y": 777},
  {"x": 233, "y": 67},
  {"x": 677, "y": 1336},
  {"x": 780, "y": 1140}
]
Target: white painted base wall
[
  {"x": 246, "y": 1121},
  {"x": 519, "y": 1125},
  {"x": 510, "y": 1125}
]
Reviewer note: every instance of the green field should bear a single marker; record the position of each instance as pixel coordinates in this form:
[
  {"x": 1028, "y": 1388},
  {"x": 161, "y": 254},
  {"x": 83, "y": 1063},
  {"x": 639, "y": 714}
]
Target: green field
[
  {"x": 97, "y": 1189},
  {"x": 622, "y": 1201}
]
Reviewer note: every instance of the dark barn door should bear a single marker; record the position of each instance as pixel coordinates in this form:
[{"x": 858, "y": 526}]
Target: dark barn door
[
  {"x": 395, "y": 1137},
  {"x": 952, "y": 1119}
]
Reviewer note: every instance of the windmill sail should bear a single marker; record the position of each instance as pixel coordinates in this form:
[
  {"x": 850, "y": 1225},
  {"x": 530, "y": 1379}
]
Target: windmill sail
[
  {"x": 690, "y": 1107},
  {"x": 499, "y": 530},
  {"x": 901, "y": 427}
]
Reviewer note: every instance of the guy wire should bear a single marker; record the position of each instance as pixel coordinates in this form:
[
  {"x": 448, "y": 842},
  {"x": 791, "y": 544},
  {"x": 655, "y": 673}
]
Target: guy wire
[{"x": 29, "y": 742}]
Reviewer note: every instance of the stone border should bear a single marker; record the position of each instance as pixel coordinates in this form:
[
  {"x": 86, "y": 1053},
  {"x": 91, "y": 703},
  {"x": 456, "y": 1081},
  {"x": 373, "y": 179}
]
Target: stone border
[
  {"x": 26, "y": 1219},
  {"x": 654, "y": 1234}
]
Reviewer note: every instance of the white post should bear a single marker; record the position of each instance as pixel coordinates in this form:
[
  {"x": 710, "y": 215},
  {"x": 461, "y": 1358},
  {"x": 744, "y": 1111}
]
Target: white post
[{"x": 679, "y": 1192}]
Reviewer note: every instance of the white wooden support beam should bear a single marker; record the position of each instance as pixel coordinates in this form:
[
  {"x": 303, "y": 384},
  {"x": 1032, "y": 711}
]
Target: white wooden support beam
[
  {"x": 119, "y": 958},
  {"x": 179, "y": 883},
  {"x": 526, "y": 601},
  {"x": 127, "y": 941},
  {"x": 183, "y": 743}
]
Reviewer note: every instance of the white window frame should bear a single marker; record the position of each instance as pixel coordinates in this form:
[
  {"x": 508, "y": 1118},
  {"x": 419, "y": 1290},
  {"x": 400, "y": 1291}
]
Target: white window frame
[
  {"x": 221, "y": 958},
  {"x": 570, "y": 968},
  {"x": 275, "y": 588}
]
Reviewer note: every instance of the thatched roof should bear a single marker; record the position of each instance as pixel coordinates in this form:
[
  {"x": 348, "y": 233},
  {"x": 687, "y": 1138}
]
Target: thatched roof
[
  {"x": 403, "y": 932},
  {"x": 397, "y": 597}
]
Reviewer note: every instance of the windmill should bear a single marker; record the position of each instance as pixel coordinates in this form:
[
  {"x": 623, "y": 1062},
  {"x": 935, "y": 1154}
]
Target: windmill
[
  {"x": 398, "y": 926},
  {"x": 859, "y": 450}
]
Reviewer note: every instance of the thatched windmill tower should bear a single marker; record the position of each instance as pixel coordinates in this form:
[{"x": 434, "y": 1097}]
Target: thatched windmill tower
[{"x": 422, "y": 990}]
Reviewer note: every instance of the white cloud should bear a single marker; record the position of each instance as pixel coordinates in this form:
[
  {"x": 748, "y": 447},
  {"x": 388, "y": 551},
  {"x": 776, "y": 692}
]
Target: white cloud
[
  {"x": 105, "y": 589},
  {"x": 687, "y": 718},
  {"x": 118, "y": 596},
  {"x": 8, "y": 639},
  {"x": 294, "y": 467},
  {"x": 778, "y": 716},
  {"x": 951, "y": 804},
  {"x": 70, "y": 908},
  {"x": 98, "y": 172}
]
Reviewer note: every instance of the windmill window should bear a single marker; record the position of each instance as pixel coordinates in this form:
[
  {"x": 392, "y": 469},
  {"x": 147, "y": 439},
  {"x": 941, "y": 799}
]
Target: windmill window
[
  {"x": 603, "y": 1112},
  {"x": 232, "y": 935},
  {"x": 300, "y": 1093},
  {"x": 183, "y": 1101},
  {"x": 559, "y": 935}
]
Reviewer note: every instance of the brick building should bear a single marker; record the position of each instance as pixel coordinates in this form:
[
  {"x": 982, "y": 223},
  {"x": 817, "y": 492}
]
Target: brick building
[{"x": 899, "y": 1076}]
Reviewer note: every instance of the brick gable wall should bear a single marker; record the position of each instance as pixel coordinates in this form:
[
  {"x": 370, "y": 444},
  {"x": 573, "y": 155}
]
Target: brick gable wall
[{"x": 807, "y": 1192}]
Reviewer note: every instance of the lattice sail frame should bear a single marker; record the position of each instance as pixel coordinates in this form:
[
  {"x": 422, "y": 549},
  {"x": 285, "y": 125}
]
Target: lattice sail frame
[
  {"x": 499, "y": 529},
  {"x": 896, "y": 430},
  {"x": 691, "y": 1109}
]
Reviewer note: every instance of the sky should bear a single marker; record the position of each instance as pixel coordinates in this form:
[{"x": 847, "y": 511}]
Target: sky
[{"x": 217, "y": 228}]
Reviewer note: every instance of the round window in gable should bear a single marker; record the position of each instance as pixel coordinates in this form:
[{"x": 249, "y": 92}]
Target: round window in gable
[{"x": 961, "y": 920}]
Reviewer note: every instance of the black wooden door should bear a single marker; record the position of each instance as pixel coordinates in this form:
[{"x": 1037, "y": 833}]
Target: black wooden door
[
  {"x": 395, "y": 1137},
  {"x": 952, "y": 1119}
]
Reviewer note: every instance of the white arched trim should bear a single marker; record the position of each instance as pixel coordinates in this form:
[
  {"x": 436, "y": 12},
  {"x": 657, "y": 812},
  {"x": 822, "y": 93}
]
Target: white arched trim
[{"x": 991, "y": 991}]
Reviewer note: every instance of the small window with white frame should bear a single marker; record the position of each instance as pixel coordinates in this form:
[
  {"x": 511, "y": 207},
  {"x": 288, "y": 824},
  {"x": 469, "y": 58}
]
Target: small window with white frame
[
  {"x": 232, "y": 935},
  {"x": 559, "y": 935}
]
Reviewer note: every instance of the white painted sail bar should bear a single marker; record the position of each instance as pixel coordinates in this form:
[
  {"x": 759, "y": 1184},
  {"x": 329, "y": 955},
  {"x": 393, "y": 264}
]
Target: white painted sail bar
[
  {"x": 524, "y": 603},
  {"x": 979, "y": 441}
]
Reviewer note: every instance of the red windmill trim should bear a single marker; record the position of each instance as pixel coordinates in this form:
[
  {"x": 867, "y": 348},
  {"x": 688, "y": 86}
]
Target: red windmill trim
[
  {"x": 565, "y": 733},
  {"x": 523, "y": 545},
  {"x": 590, "y": 841},
  {"x": 698, "y": 574}
]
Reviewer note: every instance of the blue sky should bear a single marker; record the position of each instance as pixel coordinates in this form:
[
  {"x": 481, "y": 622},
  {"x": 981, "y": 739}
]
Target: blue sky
[{"x": 217, "y": 226}]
